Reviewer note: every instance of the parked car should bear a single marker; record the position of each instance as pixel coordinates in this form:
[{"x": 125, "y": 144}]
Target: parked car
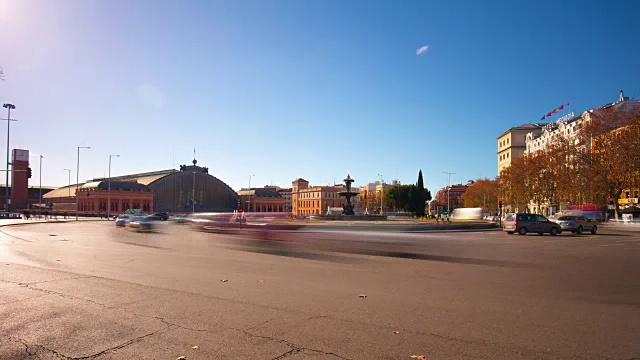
[
  {"x": 122, "y": 220},
  {"x": 141, "y": 223},
  {"x": 524, "y": 223},
  {"x": 159, "y": 216},
  {"x": 577, "y": 224}
]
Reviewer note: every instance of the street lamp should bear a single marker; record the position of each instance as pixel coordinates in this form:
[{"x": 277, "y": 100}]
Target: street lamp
[
  {"x": 40, "y": 203},
  {"x": 9, "y": 107},
  {"x": 448, "y": 190},
  {"x": 69, "y": 171},
  {"x": 249, "y": 209},
  {"x": 109, "y": 188},
  {"x": 78, "y": 175}
]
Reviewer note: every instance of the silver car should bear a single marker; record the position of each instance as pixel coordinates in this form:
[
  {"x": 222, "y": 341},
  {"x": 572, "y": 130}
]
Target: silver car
[
  {"x": 577, "y": 224},
  {"x": 141, "y": 223},
  {"x": 122, "y": 220}
]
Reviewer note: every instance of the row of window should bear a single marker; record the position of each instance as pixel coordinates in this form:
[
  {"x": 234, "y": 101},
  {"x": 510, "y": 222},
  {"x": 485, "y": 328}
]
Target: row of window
[
  {"x": 114, "y": 207},
  {"x": 315, "y": 195},
  {"x": 504, "y": 143},
  {"x": 504, "y": 156}
]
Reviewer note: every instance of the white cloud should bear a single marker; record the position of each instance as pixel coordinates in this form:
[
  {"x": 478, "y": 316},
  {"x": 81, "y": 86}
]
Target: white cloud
[
  {"x": 151, "y": 96},
  {"x": 422, "y": 50}
]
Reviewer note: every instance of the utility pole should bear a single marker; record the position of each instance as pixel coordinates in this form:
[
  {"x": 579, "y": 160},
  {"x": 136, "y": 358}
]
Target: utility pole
[
  {"x": 448, "y": 191},
  {"x": 78, "y": 176},
  {"x": 249, "y": 207},
  {"x": 9, "y": 107},
  {"x": 40, "y": 203},
  {"x": 109, "y": 189}
]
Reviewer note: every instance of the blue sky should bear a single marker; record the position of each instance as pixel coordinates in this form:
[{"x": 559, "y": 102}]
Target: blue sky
[{"x": 312, "y": 89}]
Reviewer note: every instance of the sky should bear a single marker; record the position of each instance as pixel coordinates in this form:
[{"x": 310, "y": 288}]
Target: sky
[{"x": 313, "y": 89}]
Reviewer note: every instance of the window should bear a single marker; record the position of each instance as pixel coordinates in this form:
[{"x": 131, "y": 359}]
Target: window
[
  {"x": 541, "y": 218},
  {"x": 507, "y": 154}
]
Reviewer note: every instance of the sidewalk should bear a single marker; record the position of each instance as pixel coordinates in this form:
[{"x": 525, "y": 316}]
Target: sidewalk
[{"x": 60, "y": 219}]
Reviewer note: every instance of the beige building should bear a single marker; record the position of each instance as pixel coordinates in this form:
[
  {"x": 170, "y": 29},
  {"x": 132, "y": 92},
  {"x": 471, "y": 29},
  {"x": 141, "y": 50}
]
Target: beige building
[
  {"x": 513, "y": 143},
  {"x": 314, "y": 200}
]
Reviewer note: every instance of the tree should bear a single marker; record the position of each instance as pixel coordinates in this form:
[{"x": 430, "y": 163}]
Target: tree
[
  {"x": 611, "y": 134},
  {"x": 370, "y": 201},
  {"x": 420, "y": 196},
  {"x": 483, "y": 193}
]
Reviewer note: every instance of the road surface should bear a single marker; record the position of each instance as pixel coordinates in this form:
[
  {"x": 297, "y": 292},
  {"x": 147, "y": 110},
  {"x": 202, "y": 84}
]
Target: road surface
[{"x": 87, "y": 290}]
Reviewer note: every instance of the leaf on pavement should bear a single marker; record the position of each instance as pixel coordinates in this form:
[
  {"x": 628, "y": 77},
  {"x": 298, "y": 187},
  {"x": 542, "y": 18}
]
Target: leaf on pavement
[
  {"x": 396, "y": 332},
  {"x": 362, "y": 295},
  {"x": 182, "y": 358},
  {"x": 195, "y": 347},
  {"x": 224, "y": 280},
  {"x": 419, "y": 357},
  {"x": 260, "y": 280}
]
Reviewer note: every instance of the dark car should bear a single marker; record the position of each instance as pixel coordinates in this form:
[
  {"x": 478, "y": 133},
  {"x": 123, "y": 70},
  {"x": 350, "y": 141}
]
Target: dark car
[
  {"x": 159, "y": 216},
  {"x": 524, "y": 223}
]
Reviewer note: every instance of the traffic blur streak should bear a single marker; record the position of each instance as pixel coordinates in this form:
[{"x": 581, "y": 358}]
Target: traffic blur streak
[{"x": 272, "y": 235}]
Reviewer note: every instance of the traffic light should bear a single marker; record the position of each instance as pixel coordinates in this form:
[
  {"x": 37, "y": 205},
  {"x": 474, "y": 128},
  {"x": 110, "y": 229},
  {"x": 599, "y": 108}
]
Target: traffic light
[
  {"x": 500, "y": 203},
  {"x": 28, "y": 173}
]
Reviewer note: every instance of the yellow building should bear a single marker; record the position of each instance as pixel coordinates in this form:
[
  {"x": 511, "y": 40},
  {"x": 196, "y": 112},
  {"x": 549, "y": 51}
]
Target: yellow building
[
  {"x": 314, "y": 200},
  {"x": 512, "y": 143}
]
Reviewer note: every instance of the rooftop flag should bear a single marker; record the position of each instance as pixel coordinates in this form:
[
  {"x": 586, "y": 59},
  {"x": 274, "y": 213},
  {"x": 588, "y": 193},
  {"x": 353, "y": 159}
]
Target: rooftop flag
[
  {"x": 550, "y": 114},
  {"x": 555, "y": 110},
  {"x": 561, "y": 107}
]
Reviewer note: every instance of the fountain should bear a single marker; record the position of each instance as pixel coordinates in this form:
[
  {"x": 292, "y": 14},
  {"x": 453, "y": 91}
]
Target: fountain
[{"x": 348, "y": 207}]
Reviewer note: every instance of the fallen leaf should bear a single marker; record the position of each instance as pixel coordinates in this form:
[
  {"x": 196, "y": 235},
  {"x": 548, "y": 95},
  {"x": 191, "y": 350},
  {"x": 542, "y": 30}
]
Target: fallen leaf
[
  {"x": 224, "y": 280},
  {"x": 419, "y": 357},
  {"x": 260, "y": 280},
  {"x": 396, "y": 332},
  {"x": 362, "y": 295},
  {"x": 182, "y": 358},
  {"x": 195, "y": 347}
]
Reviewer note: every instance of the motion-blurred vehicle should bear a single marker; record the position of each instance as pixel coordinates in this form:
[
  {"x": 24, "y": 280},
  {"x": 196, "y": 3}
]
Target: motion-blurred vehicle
[
  {"x": 141, "y": 223},
  {"x": 159, "y": 216},
  {"x": 524, "y": 223},
  {"x": 467, "y": 214},
  {"x": 577, "y": 224},
  {"x": 122, "y": 220}
]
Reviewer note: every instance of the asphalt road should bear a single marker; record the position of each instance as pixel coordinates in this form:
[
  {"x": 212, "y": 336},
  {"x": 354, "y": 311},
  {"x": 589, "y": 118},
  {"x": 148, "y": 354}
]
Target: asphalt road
[{"x": 89, "y": 290}]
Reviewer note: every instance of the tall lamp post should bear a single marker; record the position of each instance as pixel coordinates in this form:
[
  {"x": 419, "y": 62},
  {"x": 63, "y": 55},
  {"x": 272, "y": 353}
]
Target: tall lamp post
[
  {"x": 78, "y": 176},
  {"x": 109, "y": 189},
  {"x": 9, "y": 107},
  {"x": 448, "y": 190},
  {"x": 249, "y": 207},
  {"x": 69, "y": 171},
  {"x": 40, "y": 203}
]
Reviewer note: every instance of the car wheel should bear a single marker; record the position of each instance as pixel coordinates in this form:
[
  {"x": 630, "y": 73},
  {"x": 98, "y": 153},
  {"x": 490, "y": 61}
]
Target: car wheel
[
  {"x": 594, "y": 229},
  {"x": 579, "y": 230},
  {"x": 554, "y": 231},
  {"x": 522, "y": 231}
]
